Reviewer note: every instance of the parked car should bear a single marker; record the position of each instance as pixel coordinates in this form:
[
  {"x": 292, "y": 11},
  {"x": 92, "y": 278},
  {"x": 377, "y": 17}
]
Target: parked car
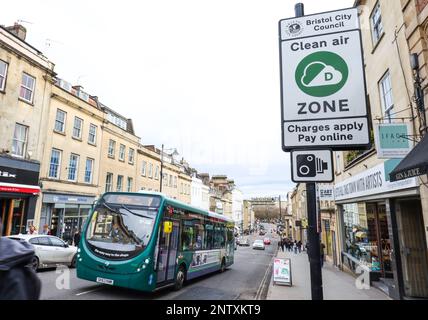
[
  {"x": 259, "y": 245},
  {"x": 266, "y": 241},
  {"x": 50, "y": 251}
]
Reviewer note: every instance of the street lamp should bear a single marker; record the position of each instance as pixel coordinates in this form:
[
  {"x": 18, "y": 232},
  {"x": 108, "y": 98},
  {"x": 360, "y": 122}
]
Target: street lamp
[{"x": 175, "y": 153}]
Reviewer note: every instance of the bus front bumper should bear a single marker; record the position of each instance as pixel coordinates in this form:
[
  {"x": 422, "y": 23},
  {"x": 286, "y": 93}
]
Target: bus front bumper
[{"x": 145, "y": 280}]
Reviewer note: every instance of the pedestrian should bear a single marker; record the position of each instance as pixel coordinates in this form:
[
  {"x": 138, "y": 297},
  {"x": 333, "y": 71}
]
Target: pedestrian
[
  {"x": 322, "y": 247},
  {"x": 295, "y": 247},
  {"x": 282, "y": 245},
  {"x": 32, "y": 230},
  {"x": 46, "y": 230},
  {"x": 76, "y": 238},
  {"x": 299, "y": 246},
  {"x": 18, "y": 280}
]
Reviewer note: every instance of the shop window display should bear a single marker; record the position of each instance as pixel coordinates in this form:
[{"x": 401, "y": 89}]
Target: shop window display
[
  {"x": 360, "y": 233},
  {"x": 367, "y": 237}
]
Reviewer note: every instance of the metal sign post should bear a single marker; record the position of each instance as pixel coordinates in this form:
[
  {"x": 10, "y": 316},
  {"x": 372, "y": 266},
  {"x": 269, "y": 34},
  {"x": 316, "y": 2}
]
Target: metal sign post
[{"x": 313, "y": 235}]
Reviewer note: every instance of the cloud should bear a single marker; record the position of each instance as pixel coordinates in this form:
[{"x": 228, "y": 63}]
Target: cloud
[{"x": 318, "y": 74}]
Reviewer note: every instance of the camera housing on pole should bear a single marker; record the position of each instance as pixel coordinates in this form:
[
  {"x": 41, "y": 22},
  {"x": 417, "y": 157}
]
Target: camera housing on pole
[{"x": 312, "y": 166}]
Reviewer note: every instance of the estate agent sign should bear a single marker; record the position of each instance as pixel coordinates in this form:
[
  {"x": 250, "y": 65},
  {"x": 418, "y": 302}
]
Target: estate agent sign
[
  {"x": 323, "y": 83},
  {"x": 392, "y": 140}
]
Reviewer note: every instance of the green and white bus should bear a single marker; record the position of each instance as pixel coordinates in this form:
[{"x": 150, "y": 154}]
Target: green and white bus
[{"x": 146, "y": 241}]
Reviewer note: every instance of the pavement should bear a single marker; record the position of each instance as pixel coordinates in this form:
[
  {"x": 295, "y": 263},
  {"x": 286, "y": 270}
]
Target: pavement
[{"x": 337, "y": 285}]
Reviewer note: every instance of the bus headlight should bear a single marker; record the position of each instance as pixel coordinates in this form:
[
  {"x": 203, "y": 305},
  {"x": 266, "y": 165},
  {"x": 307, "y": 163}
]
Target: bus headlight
[{"x": 147, "y": 261}]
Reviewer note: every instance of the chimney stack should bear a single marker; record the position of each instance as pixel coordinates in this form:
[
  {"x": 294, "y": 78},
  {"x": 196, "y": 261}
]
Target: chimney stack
[{"x": 18, "y": 30}]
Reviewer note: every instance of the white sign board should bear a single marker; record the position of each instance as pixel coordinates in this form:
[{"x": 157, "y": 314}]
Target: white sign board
[
  {"x": 323, "y": 83},
  {"x": 282, "y": 271},
  {"x": 317, "y": 24},
  {"x": 325, "y": 192},
  {"x": 370, "y": 182},
  {"x": 312, "y": 166}
]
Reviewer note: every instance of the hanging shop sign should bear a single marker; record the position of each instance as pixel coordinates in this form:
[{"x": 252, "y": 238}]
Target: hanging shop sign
[
  {"x": 323, "y": 91},
  {"x": 392, "y": 140}
]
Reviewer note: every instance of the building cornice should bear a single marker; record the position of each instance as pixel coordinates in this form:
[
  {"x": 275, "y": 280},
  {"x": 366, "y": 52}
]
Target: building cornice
[
  {"x": 74, "y": 105},
  {"x": 9, "y": 42},
  {"x": 119, "y": 135}
]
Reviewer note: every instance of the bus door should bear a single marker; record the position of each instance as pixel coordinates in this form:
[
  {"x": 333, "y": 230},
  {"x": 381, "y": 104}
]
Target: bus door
[{"x": 168, "y": 246}]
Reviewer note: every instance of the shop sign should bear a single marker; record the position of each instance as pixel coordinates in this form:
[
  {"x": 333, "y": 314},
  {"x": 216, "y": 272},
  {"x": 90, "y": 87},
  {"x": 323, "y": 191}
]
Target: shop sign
[
  {"x": 304, "y": 223},
  {"x": 16, "y": 188},
  {"x": 323, "y": 83},
  {"x": 18, "y": 176},
  {"x": 392, "y": 140},
  {"x": 371, "y": 182},
  {"x": 282, "y": 271},
  {"x": 63, "y": 198},
  {"x": 326, "y": 192}
]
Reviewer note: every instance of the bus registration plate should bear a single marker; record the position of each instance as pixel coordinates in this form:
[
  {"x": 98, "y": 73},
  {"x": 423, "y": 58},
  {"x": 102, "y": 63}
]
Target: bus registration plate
[{"x": 105, "y": 281}]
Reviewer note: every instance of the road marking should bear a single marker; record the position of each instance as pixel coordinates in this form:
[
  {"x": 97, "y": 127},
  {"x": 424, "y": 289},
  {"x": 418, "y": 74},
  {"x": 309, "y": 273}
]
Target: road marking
[
  {"x": 89, "y": 291},
  {"x": 263, "y": 282}
]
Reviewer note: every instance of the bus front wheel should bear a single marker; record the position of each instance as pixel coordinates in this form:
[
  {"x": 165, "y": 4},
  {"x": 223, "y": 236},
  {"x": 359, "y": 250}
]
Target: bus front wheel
[{"x": 179, "y": 278}]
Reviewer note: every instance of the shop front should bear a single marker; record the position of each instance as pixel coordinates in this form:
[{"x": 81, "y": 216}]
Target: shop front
[
  {"x": 65, "y": 213},
  {"x": 328, "y": 237},
  {"x": 19, "y": 190},
  {"x": 373, "y": 212},
  {"x": 367, "y": 240},
  {"x": 327, "y": 223}
]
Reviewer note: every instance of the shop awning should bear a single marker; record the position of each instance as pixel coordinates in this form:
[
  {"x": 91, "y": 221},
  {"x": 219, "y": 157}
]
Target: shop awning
[{"x": 414, "y": 164}]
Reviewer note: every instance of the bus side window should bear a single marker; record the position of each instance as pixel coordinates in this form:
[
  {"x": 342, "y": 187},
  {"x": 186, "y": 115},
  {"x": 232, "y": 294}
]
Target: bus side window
[
  {"x": 187, "y": 235},
  {"x": 209, "y": 230}
]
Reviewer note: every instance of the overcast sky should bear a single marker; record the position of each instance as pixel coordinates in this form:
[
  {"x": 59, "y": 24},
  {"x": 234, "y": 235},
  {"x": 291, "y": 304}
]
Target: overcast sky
[{"x": 201, "y": 76}]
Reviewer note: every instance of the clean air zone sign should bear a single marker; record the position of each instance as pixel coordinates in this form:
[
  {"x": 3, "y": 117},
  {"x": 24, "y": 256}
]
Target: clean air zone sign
[{"x": 322, "y": 82}]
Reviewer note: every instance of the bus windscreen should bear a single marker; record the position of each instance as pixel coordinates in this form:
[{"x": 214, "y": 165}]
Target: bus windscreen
[{"x": 119, "y": 232}]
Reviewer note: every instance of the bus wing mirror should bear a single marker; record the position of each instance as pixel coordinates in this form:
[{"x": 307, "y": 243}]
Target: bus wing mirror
[{"x": 167, "y": 227}]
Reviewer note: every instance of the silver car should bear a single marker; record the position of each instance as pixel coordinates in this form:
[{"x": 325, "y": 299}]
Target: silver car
[
  {"x": 50, "y": 251},
  {"x": 259, "y": 245}
]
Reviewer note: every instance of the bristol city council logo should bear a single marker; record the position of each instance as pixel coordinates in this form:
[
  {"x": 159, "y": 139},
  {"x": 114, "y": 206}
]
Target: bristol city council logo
[{"x": 294, "y": 28}]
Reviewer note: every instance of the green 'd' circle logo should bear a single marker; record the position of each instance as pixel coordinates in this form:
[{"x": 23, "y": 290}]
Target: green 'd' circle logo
[{"x": 322, "y": 74}]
